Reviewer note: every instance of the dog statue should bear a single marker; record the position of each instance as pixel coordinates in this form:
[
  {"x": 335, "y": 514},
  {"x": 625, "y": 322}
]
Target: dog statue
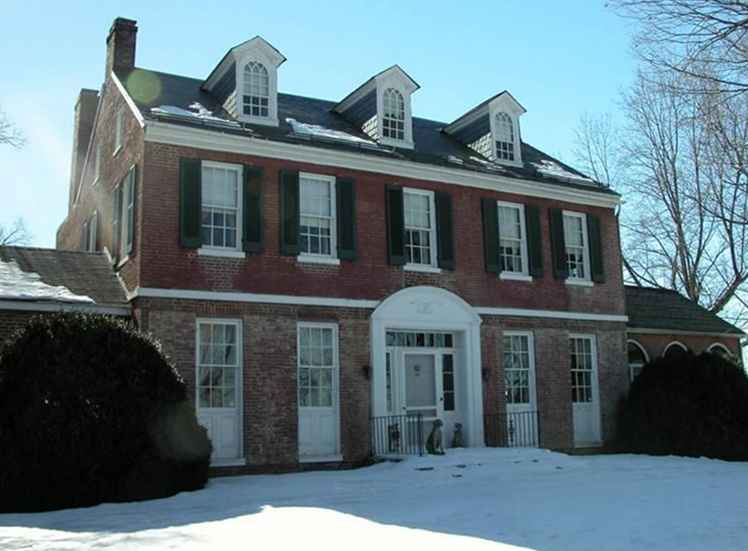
[
  {"x": 434, "y": 443},
  {"x": 457, "y": 439},
  {"x": 393, "y": 431}
]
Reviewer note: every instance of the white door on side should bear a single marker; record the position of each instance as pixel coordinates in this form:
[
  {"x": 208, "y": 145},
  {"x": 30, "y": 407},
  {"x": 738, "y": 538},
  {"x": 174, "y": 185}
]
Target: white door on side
[
  {"x": 318, "y": 392},
  {"x": 219, "y": 386},
  {"x": 584, "y": 391},
  {"x": 519, "y": 387}
]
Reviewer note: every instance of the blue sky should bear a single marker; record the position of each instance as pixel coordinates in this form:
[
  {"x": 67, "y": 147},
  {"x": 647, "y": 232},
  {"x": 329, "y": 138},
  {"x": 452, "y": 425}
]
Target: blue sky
[{"x": 559, "y": 59}]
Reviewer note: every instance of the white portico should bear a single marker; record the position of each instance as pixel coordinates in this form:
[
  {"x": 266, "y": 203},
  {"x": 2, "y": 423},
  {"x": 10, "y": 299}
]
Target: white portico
[{"x": 426, "y": 358}]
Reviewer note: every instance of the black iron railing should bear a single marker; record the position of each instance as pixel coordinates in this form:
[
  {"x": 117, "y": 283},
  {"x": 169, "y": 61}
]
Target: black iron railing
[
  {"x": 512, "y": 429},
  {"x": 397, "y": 435}
]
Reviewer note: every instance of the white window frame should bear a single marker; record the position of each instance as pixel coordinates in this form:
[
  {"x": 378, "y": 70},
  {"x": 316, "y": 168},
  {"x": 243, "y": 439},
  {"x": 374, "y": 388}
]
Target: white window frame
[
  {"x": 335, "y": 396},
  {"x": 238, "y": 377},
  {"x": 594, "y": 375},
  {"x": 503, "y": 107},
  {"x": 495, "y": 136},
  {"x": 433, "y": 267},
  {"x": 272, "y": 69},
  {"x": 384, "y": 114},
  {"x": 524, "y": 275},
  {"x": 394, "y": 83},
  {"x": 97, "y": 164},
  {"x": 317, "y": 258},
  {"x": 674, "y": 343},
  {"x": 532, "y": 383},
  {"x": 631, "y": 366},
  {"x": 235, "y": 251},
  {"x": 118, "y": 130},
  {"x": 720, "y": 346},
  {"x": 586, "y": 280},
  {"x": 92, "y": 230}
]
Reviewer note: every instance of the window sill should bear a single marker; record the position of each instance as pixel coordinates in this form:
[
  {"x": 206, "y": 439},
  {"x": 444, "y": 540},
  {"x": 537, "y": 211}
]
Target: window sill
[
  {"x": 321, "y": 458},
  {"x": 225, "y": 253},
  {"x": 124, "y": 261},
  {"x": 510, "y": 276},
  {"x": 422, "y": 268},
  {"x": 117, "y": 150},
  {"x": 96, "y": 181},
  {"x": 311, "y": 259},
  {"x": 580, "y": 282}
]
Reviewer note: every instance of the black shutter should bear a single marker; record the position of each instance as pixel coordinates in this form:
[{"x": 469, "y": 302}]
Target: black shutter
[
  {"x": 444, "y": 230},
  {"x": 594, "y": 237},
  {"x": 190, "y": 202},
  {"x": 289, "y": 212},
  {"x": 395, "y": 225},
  {"x": 534, "y": 241},
  {"x": 252, "y": 210},
  {"x": 132, "y": 201},
  {"x": 345, "y": 196},
  {"x": 490, "y": 214},
  {"x": 558, "y": 245},
  {"x": 116, "y": 221}
]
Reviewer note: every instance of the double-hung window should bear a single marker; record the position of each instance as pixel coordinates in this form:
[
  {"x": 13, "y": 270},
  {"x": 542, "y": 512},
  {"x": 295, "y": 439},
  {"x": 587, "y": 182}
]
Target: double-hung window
[
  {"x": 256, "y": 97},
  {"x": 317, "y": 225},
  {"x": 393, "y": 119},
  {"x": 97, "y": 163},
  {"x": 93, "y": 226},
  {"x": 124, "y": 214},
  {"x": 504, "y": 130},
  {"x": 577, "y": 252},
  {"x": 119, "y": 129},
  {"x": 221, "y": 206},
  {"x": 512, "y": 239},
  {"x": 420, "y": 224},
  {"x": 582, "y": 367},
  {"x": 317, "y": 357},
  {"x": 517, "y": 369},
  {"x": 218, "y": 360}
]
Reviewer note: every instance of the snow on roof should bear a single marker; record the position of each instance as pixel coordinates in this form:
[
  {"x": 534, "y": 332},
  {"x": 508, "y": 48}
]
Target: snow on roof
[
  {"x": 490, "y": 165},
  {"x": 15, "y": 284},
  {"x": 198, "y": 113},
  {"x": 554, "y": 170},
  {"x": 317, "y": 131}
]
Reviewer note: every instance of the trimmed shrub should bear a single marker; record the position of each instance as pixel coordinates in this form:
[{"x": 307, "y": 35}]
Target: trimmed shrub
[
  {"x": 687, "y": 405},
  {"x": 92, "y": 411}
]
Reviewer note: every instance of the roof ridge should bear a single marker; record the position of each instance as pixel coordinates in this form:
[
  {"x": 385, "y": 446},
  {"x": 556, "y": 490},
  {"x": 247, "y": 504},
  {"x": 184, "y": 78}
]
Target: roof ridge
[{"x": 73, "y": 251}]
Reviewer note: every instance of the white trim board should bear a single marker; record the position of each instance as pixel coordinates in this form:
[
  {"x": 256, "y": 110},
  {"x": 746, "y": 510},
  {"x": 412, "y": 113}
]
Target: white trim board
[
  {"x": 31, "y": 306},
  {"x": 258, "y": 298},
  {"x": 644, "y": 331},
  {"x": 161, "y": 132}
]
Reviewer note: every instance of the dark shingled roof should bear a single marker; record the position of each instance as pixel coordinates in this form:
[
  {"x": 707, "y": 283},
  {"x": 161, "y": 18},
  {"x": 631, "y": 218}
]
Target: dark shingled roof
[
  {"x": 150, "y": 89},
  {"x": 649, "y": 308},
  {"x": 83, "y": 273}
]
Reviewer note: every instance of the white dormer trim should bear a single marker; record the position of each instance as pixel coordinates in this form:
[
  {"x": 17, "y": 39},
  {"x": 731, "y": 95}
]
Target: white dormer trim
[
  {"x": 505, "y": 103},
  {"x": 395, "y": 78},
  {"x": 258, "y": 50}
]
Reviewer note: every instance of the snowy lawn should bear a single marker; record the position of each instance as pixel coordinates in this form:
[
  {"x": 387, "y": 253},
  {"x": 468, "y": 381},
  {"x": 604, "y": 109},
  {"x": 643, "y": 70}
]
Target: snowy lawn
[{"x": 468, "y": 500}]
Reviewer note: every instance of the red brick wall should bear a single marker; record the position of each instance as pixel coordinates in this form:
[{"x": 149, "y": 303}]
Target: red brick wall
[
  {"x": 114, "y": 167},
  {"x": 165, "y": 264},
  {"x": 270, "y": 399},
  {"x": 655, "y": 344}
]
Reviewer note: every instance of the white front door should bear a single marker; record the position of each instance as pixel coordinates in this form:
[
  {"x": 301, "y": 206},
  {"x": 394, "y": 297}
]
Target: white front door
[
  {"x": 319, "y": 422},
  {"x": 584, "y": 391},
  {"x": 519, "y": 387},
  {"x": 422, "y": 385},
  {"x": 219, "y": 388}
]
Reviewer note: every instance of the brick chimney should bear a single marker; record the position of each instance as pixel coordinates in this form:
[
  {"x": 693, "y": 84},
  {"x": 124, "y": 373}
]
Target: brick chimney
[
  {"x": 120, "y": 45},
  {"x": 85, "y": 111}
]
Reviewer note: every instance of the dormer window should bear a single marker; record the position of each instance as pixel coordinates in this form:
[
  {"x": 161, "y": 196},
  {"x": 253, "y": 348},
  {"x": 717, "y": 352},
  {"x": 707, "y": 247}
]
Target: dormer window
[
  {"x": 256, "y": 90},
  {"x": 245, "y": 82},
  {"x": 504, "y": 137},
  {"x": 393, "y": 115}
]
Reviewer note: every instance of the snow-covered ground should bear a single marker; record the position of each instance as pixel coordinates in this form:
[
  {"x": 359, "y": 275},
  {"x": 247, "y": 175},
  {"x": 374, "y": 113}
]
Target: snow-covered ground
[{"x": 468, "y": 500}]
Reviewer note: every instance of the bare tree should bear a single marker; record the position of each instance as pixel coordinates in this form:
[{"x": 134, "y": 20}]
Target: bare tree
[
  {"x": 15, "y": 234},
  {"x": 10, "y": 134},
  {"x": 704, "y": 40},
  {"x": 678, "y": 219}
]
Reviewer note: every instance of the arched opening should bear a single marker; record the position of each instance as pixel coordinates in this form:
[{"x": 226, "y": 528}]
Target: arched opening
[
  {"x": 675, "y": 350},
  {"x": 256, "y": 101},
  {"x": 426, "y": 365},
  {"x": 637, "y": 359},
  {"x": 504, "y": 136},
  {"x": 393, "y": 115}
]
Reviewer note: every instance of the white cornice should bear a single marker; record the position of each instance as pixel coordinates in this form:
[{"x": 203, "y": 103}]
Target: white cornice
[
  {"x": 258, "y": 298},
  {"x": 645, "y": 331},
  {"x": 31, "y": 306},
  {"x": 179, "y": 135}
]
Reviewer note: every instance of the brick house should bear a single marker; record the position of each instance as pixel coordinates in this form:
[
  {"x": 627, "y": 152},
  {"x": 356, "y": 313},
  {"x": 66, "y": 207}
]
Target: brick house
[{"x": 312, "y": 264}]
